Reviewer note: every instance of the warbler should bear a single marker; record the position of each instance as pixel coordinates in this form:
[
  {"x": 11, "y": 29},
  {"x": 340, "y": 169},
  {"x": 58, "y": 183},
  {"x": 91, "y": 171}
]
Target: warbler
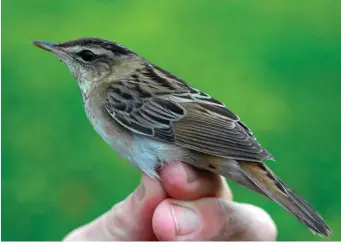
[{"x": 151, "y": 117}]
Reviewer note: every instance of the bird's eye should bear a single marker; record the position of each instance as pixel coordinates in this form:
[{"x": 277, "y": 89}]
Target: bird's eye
[{"x": 86, "y": 55}]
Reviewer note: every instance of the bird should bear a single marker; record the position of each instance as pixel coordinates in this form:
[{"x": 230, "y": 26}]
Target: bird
[{"x": 152, "y": 117}]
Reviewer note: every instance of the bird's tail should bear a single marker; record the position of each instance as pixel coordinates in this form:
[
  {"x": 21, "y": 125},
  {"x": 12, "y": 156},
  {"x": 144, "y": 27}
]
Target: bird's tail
[{"x": 263, "y": 180}]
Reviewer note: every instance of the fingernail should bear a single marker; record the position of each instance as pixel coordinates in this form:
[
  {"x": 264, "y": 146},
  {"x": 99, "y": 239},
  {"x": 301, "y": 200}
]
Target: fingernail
[
  {"x": 141, "y": 191},
  {"x": 191, "y": 174},
  {"x": 186, "y": 220}
]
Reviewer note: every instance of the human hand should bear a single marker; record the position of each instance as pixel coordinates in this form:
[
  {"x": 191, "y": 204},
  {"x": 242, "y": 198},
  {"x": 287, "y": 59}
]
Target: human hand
[{"x": 187, "y": 204}]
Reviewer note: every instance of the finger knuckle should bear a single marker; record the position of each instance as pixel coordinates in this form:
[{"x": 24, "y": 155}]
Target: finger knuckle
[{"x": 117, "y": 223}]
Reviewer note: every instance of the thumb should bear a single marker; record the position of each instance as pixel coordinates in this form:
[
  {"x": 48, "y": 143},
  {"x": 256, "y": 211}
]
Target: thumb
[{"x": 130, "y": 219}]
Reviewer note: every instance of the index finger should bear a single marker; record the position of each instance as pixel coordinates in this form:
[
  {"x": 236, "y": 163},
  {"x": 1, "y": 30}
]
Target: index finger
[{"x": 184, "y": 182}]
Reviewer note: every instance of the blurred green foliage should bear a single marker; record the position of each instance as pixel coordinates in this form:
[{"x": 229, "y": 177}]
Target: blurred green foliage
[{"x": 277, "y": 64}]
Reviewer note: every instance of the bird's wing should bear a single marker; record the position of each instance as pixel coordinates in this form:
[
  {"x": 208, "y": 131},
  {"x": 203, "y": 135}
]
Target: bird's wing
[
  {"x": 217, "y": 131},
  {"x": 186, "y": 117}
]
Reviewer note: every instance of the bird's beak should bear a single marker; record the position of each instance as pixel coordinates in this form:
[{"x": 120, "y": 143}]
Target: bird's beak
[
  {"x": 49, "y": 46},
  {"x": 53, "y": 48}
]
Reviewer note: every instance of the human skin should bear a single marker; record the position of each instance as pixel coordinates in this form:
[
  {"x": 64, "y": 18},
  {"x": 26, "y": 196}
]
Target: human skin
[{"x": 185, "y": 204}]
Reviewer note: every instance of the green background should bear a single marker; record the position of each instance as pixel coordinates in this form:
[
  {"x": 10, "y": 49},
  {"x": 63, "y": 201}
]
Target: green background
[{"x": 277, "y": 64}]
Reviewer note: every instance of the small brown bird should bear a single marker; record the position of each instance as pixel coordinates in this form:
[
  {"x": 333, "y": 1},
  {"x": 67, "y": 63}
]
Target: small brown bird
[{"x": 151, "y": 117}]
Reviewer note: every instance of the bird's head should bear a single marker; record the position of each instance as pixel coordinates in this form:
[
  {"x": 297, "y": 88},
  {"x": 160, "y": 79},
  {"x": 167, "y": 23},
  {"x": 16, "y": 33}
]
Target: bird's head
[{"x": 93, "y": 61}]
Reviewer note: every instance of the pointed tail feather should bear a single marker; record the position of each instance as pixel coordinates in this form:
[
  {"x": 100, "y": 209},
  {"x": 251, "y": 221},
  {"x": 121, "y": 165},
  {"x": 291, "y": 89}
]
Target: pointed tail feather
[{"x": 271, "y": 186}]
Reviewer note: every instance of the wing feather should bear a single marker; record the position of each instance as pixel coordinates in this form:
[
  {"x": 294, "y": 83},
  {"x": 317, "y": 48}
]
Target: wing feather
[{"x": 186, "y": 117}]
